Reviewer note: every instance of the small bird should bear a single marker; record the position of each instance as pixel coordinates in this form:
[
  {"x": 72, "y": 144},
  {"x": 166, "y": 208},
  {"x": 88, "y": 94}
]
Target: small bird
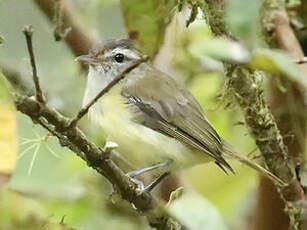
[{"x": 151, "y": 116}]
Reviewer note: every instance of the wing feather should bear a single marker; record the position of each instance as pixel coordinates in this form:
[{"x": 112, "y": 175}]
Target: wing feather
[{"x": 167, "y": 107}]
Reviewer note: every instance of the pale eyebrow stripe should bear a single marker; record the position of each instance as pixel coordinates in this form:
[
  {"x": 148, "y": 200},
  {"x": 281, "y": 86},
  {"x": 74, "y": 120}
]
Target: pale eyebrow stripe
[{"x": 129, "y": 55}]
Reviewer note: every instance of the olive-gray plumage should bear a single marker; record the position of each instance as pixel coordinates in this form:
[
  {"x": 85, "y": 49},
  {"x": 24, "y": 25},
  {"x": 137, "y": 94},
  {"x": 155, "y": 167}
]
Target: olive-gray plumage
[
  {"x": 149, "y": 114},
  {"x": 173, "y": 111}
]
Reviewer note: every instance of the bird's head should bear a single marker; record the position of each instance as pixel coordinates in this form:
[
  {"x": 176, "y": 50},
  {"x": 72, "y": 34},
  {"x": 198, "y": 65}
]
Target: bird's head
[
  {"x": 111, "y": 56},
  {"x": 107, "y": 61}
]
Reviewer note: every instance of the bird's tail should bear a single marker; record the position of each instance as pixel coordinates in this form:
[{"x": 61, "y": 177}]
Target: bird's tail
[{"x": 230, "y": 153}]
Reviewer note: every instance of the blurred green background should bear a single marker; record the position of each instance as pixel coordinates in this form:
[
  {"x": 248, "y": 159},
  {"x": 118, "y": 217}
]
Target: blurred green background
[{"x": 49, "y": 184}]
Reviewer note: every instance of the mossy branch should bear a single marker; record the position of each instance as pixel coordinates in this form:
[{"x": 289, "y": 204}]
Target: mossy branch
[{"x": 245, "y": 85}]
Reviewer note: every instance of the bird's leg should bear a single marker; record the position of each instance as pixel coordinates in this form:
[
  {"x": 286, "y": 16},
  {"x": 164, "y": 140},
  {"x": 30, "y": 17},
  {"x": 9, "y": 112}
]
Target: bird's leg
[
  {"x": 153, "y": 184},
  {"x": 157, "y": 181},
  {"x": 147, "y": 169}
]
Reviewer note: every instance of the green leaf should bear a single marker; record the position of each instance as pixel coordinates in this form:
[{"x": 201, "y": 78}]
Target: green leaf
[
  {"x": 195, "y": 212},
  {"x": 244, "y": 20},
  {"x": 275, "y": 62},
  {"x": 146, "y": 21},
  {"x": 221, "y": 49}
]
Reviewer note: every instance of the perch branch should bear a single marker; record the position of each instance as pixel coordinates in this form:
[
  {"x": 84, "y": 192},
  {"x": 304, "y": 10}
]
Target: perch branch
[
  {"x": 245, "y": 85},
  {"x": 74, "y": 139}
]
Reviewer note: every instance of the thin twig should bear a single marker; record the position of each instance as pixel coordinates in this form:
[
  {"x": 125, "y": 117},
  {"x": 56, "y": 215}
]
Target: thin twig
[
  {"x": 28, "y": 31},
  {"x": 84, "y": 110}
]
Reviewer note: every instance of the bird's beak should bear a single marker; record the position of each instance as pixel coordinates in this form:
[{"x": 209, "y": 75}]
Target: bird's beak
[{"x": 86, "y": 59}]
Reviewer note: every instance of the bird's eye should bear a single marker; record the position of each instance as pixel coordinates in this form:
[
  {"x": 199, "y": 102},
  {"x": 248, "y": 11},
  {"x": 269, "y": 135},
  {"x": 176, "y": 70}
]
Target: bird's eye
[{"x": 119, "y": 57}]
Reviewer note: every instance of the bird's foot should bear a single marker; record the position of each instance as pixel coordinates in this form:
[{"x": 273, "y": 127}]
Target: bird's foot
[{"x": 141, "y": 187}]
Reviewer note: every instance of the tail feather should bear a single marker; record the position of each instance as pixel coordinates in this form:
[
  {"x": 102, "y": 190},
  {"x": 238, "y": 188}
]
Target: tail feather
[{"x": 230, "y": 153}]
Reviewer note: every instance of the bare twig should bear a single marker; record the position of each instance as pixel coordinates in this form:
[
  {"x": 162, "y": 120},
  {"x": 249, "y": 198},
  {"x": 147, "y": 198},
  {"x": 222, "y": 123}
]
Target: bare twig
[
  {"x": 84, "y": 110},
  {"x": 28, "y": 31}
]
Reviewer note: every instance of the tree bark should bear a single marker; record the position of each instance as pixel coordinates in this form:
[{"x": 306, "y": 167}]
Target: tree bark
[
  {"x": 289, "y": 108},
  {"x": 245, "y": 86}
]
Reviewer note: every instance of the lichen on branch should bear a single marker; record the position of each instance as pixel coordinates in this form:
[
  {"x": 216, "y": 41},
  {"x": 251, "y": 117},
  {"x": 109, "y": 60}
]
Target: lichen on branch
[{"x": 245, "y": 86}]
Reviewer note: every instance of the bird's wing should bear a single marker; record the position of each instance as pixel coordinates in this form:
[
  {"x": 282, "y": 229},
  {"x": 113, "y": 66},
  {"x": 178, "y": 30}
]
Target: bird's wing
[{"x": 163, "y": 105}]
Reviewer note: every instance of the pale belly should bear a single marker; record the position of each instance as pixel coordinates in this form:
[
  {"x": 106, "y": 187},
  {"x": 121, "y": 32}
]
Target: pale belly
[{"x": 139, "y": 145}]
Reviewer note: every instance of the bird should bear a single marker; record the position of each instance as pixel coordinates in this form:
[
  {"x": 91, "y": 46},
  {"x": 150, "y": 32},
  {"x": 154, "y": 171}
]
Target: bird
[{"x": 154, "y": 119}]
